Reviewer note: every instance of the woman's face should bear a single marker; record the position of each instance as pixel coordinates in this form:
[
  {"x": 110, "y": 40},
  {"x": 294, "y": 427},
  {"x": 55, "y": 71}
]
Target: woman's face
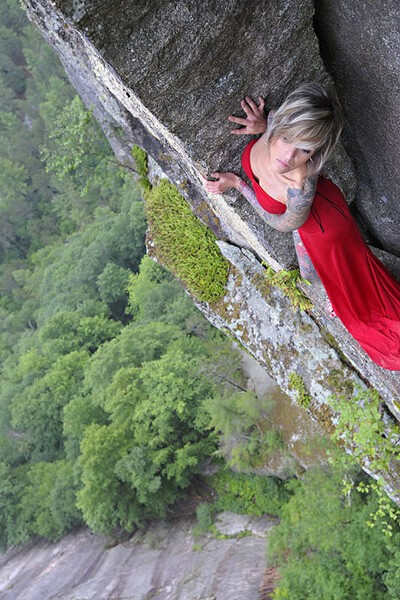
[{"x": 285, "y": 156}]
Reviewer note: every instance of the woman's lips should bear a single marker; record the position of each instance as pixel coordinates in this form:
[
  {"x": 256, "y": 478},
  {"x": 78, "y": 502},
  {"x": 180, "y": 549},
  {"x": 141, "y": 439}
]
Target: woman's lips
[{"x": 282, "y": 163}]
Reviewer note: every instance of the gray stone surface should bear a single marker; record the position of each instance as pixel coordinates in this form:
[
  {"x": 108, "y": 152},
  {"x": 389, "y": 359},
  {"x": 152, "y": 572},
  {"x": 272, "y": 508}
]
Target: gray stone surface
[
  {"x": 360, "y": 44},
  {"x": 174, "y": 67},
  {"x": 161, "y": 562},
  {"x": 232, "y": 524}
]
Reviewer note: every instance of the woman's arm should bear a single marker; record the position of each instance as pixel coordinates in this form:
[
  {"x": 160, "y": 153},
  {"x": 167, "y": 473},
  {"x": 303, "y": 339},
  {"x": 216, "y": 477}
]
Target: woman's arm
[
  {"x": 299, "y": 201},
  {"x": 307, "y": 269}
]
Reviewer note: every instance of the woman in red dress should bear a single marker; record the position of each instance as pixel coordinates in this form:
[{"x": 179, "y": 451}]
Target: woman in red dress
[{"x": 290, "y": 193}]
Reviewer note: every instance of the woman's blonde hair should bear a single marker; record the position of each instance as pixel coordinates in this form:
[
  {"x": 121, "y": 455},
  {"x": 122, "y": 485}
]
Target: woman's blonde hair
[{"x": 311, "y": 119}]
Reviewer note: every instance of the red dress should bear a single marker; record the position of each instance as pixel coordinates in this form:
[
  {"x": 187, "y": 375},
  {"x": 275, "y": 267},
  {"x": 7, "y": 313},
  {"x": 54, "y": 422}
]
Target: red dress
[{"x": 364, "y": 295}]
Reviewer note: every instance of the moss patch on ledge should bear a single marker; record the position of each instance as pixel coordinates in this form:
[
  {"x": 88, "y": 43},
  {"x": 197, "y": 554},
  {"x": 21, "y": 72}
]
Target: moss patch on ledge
[
  {"x": 286, "y": 281},
  {"x": 296, "y": 383},
  {"x": 142, "y": 167},
  {"x": 184, "y": 244},
  {"x": 338, "y": 382}
]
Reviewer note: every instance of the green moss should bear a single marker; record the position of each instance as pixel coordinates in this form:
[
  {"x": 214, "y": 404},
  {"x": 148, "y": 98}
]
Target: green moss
[
  {"x": 305, "y": 327},
  {"x": 142, "y": 167},
  {"x": 339, "y": 383},
  {"x": 184, "y": 244},
  {"x": 261, "y": 284},
  {"x": 197, "y": 548},
  {"x": 287, "y": 282},
  {"x": 296, "y": 383}
]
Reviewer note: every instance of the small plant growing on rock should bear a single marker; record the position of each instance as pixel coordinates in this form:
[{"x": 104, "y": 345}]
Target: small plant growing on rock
[
  {"x": 287, "y": 282},
  {"x": 142, "y": 167},
  {"x": 361, "y": 427},
  {"x": 205, "y": 513}
]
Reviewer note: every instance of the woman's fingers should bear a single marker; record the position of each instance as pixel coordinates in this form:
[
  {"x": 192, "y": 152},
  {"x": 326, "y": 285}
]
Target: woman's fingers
[
  {"x": 255, "y": 121},
  {"x": 213, "y": 187},
  {"x": 238, "y": 120},
  {"x": 246, "y": 107},
  {"x": 256, "y": 110},
  {"x": 252, "y": 104},
  {"x": 239, "y": 131},
  {"x": 225, "y": 181}
]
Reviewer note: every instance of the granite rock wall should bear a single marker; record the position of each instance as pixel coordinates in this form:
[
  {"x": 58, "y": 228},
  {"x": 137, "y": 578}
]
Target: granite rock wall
[
  {"x": 360, "y": 44},
  {"x": 164, "y": 561},
  {"x": 180, "y": 67}
]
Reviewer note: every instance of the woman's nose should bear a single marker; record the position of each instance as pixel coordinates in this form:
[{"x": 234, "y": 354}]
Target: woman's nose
[{"x": 290, "y": 153}]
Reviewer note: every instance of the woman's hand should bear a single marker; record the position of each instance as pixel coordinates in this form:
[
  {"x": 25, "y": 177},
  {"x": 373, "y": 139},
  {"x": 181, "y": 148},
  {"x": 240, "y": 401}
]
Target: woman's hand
[
  {"x": 255, "y": 121},
  {"x": 225, "y": 182}
]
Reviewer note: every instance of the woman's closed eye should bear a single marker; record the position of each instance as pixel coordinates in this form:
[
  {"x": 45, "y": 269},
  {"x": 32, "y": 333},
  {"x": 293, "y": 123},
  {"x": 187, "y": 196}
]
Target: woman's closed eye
[{"x": 286, "y": 140}]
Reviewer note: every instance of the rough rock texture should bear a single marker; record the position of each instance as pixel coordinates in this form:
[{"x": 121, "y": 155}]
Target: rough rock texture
[
  {"x": 175, "y": 68},
  {"x": 161, "y": 562},
  {"x": 360, "y": 45},
  {"x": 167, "y": 74}
]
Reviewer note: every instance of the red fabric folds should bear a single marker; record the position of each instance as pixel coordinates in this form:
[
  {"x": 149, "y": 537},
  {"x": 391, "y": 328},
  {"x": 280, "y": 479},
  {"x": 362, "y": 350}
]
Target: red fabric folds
[{"x": 364, "y": 295}]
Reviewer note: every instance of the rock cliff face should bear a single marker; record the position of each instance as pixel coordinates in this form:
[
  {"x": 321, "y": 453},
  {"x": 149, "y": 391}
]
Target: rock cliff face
[
  {"x": 360, "y": 46},
  {"x": 164, "y": 561},
  {"x": 165, "y": 75}
]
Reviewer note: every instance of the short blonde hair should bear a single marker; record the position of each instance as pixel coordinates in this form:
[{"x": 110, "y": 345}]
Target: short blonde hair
[{"x": 311, "y": 119}]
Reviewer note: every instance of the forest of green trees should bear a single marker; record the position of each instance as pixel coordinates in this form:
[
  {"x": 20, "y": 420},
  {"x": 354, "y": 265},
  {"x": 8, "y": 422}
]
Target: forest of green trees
[{"x": 114, "y": 389}]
